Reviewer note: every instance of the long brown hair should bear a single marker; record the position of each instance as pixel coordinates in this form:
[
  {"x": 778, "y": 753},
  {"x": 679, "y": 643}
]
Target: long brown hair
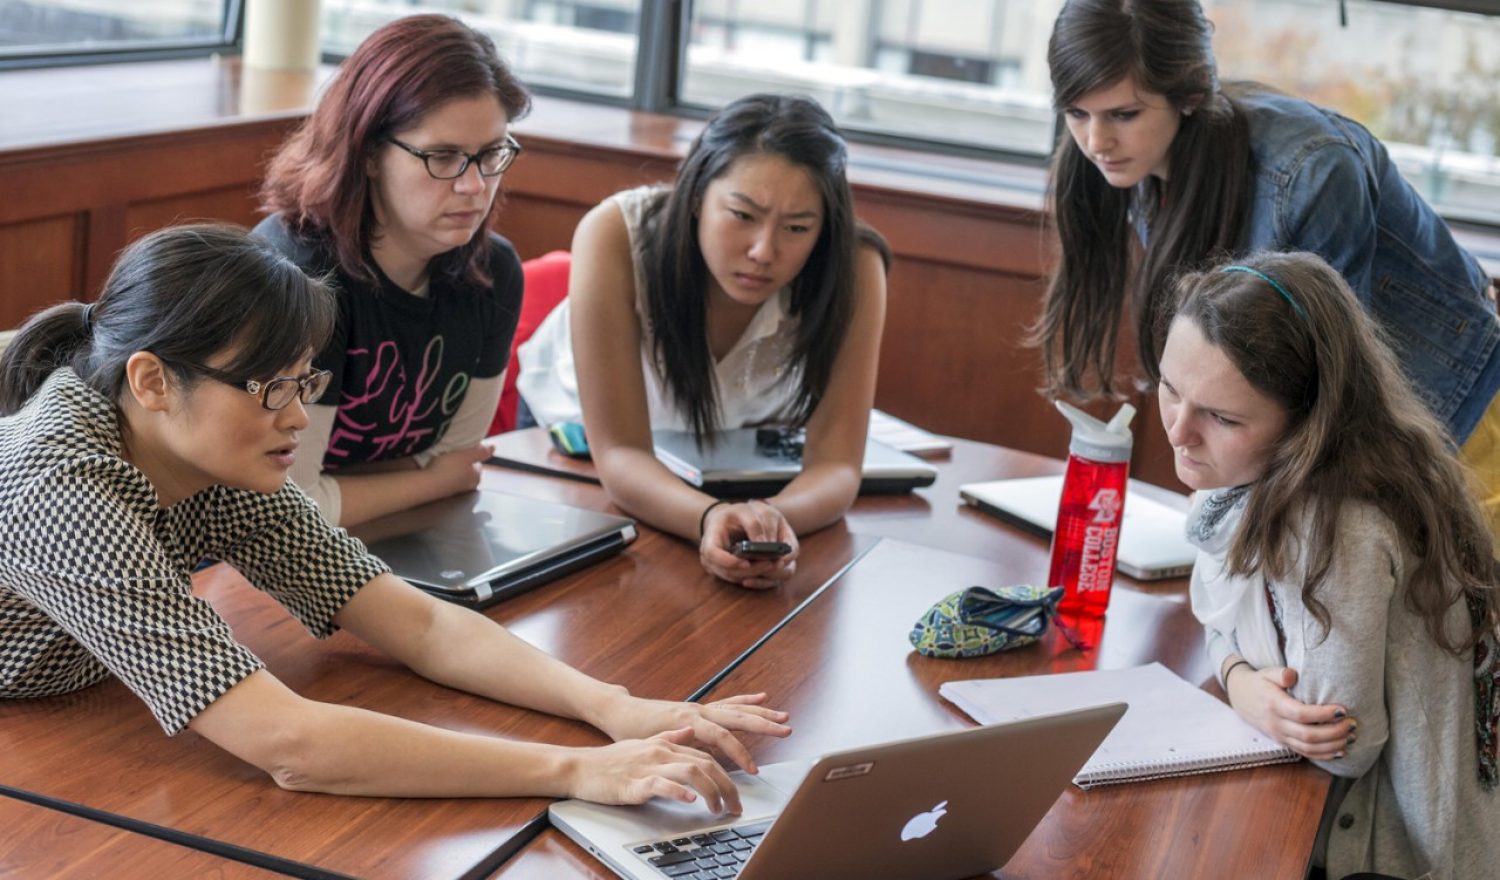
[
  {"x": 1357, "y": 431},
  {"x": 399, "y": 74},
  {"x": 1198, "y": 214}
]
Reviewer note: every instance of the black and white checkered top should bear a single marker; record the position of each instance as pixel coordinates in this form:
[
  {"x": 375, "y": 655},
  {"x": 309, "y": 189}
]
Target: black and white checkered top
[{"x": 95, "y": 575}]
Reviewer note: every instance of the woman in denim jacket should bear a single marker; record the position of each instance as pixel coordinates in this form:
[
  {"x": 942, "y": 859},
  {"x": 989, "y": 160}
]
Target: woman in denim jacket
[{"x": 1167, "y": 170}]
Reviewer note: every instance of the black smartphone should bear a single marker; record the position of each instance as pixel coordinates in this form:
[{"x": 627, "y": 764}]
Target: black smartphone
[{"x": 760, "y": 549}]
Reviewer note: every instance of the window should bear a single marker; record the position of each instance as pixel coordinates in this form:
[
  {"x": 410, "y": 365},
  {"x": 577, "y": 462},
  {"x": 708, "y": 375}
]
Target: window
[
  {"x": 575, "y": 46},
  {"x": 33, "y": 29},
  {"x": 971, "y": 72},
  {"x": 1424, "y": 81}
]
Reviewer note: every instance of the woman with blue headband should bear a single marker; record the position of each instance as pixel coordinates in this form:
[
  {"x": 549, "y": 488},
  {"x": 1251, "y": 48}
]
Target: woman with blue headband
[
  {"x": 1166, "y": 170},
  {"x": 1349, "y": 605}
]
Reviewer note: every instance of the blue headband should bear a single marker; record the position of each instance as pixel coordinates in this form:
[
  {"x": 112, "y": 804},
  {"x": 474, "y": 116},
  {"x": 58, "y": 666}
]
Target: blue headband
[{"x": 1271, "y": 281}]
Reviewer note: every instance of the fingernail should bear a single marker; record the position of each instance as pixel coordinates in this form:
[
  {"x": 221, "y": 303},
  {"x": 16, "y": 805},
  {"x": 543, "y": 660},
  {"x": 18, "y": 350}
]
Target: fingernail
[
  {"x": 1337, "y": 714},
  {"x": 1350, "y": 740},
  {"x": 1353, "y": 726},
  {"x": 1339, "y": 755}
]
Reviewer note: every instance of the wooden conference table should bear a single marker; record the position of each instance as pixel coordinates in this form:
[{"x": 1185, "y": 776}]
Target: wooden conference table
[{"x": 830, "y": 646}]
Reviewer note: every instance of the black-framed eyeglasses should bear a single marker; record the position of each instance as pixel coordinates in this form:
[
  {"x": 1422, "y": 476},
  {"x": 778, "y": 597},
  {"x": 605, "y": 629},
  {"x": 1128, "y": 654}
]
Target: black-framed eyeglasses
[
  {"x": 273, "y": 394},
  {"x": 451, "y": 164}
]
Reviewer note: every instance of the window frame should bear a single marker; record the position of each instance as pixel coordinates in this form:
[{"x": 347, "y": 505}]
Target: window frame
[
  {"x": 655, "y": 87},
  {"x": 664, "y": 24},
  {"x": 229, "y": 39}
]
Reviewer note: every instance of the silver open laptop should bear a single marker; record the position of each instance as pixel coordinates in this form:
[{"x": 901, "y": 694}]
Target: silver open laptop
[
  {"x": 738, "y": 466},
  {"x": 479, "y": 548},
  {"x": 1153, "y": 536},
  {"x": 936, "y": 807}
]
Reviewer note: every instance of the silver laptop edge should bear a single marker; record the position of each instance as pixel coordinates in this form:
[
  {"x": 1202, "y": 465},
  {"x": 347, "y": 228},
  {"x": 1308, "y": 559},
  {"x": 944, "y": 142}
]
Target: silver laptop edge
[
  {"x": 467, "y": 546},
  {"x": 736, "y": 460},
  {"x": 1148, "y": 570},
  {"x": 818, "y": 808}
]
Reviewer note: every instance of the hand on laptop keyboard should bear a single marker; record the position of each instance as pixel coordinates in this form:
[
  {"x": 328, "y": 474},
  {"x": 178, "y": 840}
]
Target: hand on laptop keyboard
[
  {"x": 713, "y": 726},
  {"x": 634, "y": 771}
]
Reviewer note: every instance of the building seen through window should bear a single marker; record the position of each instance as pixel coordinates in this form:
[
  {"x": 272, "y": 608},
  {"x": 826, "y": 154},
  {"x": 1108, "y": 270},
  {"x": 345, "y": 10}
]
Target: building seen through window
[
  {"x": 589, "y": 47},
  {"x": 1425, "y": 81},
  {"x": 968, "y": 72},
  {"x": 32, "y": 27}
]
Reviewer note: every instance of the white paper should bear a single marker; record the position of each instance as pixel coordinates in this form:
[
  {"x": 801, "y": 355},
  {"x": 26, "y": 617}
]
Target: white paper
[{"x": 1170, "y": 728}]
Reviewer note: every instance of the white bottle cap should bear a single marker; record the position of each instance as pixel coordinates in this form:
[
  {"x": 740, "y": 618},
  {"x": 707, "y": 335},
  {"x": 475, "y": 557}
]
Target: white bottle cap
[{"x": 1096, "y": 440}]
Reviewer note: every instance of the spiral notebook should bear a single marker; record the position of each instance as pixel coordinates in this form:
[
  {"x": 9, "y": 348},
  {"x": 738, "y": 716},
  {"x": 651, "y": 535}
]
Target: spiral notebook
[{"x": 1170, "y": 729}]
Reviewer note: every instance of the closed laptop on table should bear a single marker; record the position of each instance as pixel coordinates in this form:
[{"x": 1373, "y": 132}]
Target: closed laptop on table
[
  {"x": 481, "y": 547},
  {"x": 1153, "y": 536},
  {"x": 739, "y": 466},
  {"x": 937, "y": 807}
]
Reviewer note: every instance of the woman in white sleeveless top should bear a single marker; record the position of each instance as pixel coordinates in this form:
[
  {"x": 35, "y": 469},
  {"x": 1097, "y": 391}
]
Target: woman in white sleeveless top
[{"x": 745, "y": 294}]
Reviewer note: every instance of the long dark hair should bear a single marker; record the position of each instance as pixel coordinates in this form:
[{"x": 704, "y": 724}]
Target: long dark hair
[
  {"x": 1357, "y": 431},
  {"x": 1197, "y": 217},
  {"x": 796, "y": 129},
  {"x": 399, "y": 74},
  {"x": 185, "y": 294}
]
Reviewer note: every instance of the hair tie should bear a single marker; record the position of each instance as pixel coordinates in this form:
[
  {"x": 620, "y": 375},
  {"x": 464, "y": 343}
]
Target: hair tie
[
  {"x": 1271, "y": 281},
  {"x": 88, "y": 319}
]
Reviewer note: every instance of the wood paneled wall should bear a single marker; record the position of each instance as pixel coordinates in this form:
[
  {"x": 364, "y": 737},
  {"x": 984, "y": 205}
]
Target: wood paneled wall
[
  {"x": 966, "y": 282},
  {"x": 68, "y": 210}
]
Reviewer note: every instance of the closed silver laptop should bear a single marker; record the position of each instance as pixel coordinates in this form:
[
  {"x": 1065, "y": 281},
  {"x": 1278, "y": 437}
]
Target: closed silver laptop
[
  {"x": 738, "y": 466},
  {"x": 481, "y": 547},
  {"x": 1153, "y": 536},
  {"x": 936, "y": 807}
]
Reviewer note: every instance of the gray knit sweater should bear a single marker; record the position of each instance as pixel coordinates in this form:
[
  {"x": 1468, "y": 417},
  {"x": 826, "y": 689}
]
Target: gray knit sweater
[{"x": 1414, "y": 806}]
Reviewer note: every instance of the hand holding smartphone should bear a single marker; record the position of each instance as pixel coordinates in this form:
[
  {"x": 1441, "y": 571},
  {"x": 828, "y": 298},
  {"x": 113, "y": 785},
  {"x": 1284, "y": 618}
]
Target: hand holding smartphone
[{"x": 760, "y": 549}]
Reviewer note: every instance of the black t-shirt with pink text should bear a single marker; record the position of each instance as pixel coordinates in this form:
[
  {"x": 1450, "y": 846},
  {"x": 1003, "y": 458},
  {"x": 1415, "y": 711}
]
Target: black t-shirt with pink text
[{"x": 401, "y": 364}]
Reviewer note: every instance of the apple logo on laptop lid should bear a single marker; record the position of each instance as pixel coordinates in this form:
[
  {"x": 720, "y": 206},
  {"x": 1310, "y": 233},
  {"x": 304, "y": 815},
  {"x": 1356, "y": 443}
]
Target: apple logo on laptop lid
[{"x": 923, "y": 824}]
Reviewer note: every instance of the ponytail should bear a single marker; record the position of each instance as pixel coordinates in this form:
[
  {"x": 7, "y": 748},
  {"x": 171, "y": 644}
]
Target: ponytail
[
  {"x": 56, "y": 337},
  {"x": 185, "y": 294}
]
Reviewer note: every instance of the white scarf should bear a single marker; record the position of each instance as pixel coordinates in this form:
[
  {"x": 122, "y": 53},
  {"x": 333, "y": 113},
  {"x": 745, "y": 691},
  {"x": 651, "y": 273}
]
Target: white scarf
[{"x": 1222, "y": 601}]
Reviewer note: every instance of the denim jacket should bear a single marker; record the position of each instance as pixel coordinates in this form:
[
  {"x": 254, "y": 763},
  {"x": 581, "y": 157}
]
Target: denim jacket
[{"x": 1325, "y": 184}]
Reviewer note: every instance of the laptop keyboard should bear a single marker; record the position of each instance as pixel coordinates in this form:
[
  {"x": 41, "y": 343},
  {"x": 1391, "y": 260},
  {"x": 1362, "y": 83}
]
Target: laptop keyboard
[{"x": 707, "y": 856}]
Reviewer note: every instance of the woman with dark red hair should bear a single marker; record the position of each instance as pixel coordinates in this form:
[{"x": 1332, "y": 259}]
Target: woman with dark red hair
[{"x": 387, "y": 190}]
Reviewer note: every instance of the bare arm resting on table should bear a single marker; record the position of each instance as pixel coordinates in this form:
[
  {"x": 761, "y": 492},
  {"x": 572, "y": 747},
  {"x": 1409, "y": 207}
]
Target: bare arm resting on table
[
  {"x": 311, "y": 746},
  {"x": 607, "y": 348},
  {"x": 363, "y": 494}
]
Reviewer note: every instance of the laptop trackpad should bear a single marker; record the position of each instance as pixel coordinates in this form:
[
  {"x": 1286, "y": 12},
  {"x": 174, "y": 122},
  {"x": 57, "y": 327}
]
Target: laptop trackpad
[{"x": 761, "y": 796}]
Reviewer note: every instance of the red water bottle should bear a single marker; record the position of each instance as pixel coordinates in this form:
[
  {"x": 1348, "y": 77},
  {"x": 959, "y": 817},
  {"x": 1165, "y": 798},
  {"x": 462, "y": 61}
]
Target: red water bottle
[{"x": 1091, "y": 510}]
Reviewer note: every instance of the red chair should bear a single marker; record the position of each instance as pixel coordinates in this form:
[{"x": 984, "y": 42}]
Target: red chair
[{"x": 546, "y": 286}]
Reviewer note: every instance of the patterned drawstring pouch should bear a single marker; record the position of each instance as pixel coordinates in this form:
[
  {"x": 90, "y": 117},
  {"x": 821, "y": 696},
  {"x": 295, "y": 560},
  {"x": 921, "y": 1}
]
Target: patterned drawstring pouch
[{"x": 980, "y": 621}]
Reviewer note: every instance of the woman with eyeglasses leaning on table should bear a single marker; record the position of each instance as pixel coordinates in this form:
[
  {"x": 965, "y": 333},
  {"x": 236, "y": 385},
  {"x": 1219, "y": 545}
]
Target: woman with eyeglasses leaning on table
[
  {"x": 745, "y": 293},
  {"x": 157, "y": 427},
  {"x": 388, "y": 189},
  {"x": 1166, "y": 170}
]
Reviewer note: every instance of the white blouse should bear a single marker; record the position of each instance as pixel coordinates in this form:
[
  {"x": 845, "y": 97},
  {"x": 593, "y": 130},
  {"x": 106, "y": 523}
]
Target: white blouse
[{"x": 755, "y": 382}]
